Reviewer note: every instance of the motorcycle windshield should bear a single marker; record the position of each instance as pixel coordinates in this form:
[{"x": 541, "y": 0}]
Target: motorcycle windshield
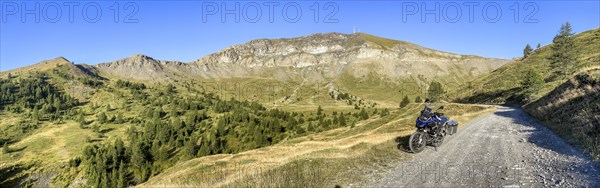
[{"x": 422, "y": 122}]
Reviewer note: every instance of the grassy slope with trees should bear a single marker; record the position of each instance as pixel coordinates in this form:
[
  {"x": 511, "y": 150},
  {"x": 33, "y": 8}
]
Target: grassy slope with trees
[
  {"x": 121, "y": 133},
  {"x": 341, "y": 156},
  {"x": 557, "y": 84}
]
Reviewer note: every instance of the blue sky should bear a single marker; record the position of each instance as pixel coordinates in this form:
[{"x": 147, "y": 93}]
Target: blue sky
[{"x": 188, "y": 30}]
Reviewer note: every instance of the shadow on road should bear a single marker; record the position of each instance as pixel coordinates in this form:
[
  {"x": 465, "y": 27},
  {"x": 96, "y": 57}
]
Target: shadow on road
[
  {"x": 543, "y": 137},
  {"x": 540, "y": 135},
  {"x": 402, "y": 142}
]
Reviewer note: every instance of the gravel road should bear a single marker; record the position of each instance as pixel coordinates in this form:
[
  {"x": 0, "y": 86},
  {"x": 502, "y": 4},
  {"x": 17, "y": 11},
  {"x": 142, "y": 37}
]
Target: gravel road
[{"x": 504, "y": 149}]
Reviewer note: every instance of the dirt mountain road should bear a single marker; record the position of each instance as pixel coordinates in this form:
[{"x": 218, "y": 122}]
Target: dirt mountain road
[{"x": 506, "y": 148}]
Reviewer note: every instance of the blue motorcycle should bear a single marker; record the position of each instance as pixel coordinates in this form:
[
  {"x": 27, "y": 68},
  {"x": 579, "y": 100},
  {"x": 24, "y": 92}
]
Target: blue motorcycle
[{"x": 432, "y": 127}]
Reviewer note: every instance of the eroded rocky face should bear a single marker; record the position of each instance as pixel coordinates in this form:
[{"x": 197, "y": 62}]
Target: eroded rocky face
[{"x": 356, "y": 54}]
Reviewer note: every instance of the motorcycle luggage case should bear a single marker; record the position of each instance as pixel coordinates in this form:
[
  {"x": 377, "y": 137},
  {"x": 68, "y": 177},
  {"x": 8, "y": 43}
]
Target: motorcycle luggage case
[{"x": 452, "y": 126}]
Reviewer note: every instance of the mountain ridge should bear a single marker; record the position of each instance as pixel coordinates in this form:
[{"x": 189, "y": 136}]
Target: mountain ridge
[
  {"x": 320, "y": 49},
  {"x": 262, "y": 57}
]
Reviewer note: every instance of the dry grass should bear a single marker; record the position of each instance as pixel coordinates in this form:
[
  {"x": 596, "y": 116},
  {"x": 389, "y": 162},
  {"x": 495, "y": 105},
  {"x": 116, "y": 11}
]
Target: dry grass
[
  {"x": 336, "y": 157},
  {"x": 572, "y": 111}
]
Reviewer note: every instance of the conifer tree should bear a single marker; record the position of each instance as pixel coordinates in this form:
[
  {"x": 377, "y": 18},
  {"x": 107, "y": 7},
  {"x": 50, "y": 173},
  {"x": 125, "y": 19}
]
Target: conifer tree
[
  {"x": 562, "y": 58},
  {"x": 405, "y": 101},
  {"x": 527, "y": 51}
]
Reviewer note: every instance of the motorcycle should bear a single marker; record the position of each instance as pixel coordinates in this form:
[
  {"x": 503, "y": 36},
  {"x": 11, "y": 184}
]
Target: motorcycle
[{"x": 432, "y": 127}]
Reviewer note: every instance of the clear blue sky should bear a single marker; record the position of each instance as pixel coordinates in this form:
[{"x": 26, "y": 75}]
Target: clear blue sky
[{"x": 188, "y": 30}]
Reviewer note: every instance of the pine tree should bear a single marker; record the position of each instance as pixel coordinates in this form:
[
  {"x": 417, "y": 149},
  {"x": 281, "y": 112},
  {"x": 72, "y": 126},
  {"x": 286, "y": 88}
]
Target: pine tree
[
  {"x": 38, "y": 93},
  {"x": 5, "y": 148},
  {"x": 319, "y": 111},
  {"x": 35, "y": 114},
  {"x": 102, "y": 118},
  {"x": 300, "y": 130},
  {"x": 436, "y": 91},
  {"x": 538, "y": 47},
  {"x": 122, "y": 181},
  {"x": 527, "y": 51},
  {"x": 386, "y": 112},
  {"x": 189, "y": 149},
  {"x": 405, "y": 101},
  {"x": 310, "y": 127},
  {"x": 204, "y": 150},
  {"x": 119, "y": 118},
  {"x": 363, "y": 114},
  {"x": 95, "y": 128},
  {"x": 418, "y": 99},
  {"x": 532, "y": 83},
  {"x": 163, "y": 153},
  {"x": 342, "y": 120},
  {"x": 562, "y": 57},
  {"x": 81, "y": 120}
]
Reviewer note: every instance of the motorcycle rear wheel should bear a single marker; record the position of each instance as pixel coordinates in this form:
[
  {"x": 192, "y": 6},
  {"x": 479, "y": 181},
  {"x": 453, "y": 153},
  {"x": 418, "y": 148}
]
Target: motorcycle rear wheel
[
  {"x": 417, "y": 141},
  {"x": 437, "y": 141}
]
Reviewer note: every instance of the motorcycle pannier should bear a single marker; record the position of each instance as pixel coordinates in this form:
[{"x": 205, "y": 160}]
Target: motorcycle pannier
[{"x": 452, "y": 126}]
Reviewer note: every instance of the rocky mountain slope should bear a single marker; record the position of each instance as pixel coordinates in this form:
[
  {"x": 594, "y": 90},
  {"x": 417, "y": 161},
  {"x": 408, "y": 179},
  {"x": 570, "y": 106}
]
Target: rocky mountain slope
[
  {"x": 328, "y": 54},
  {"x": 355, "y": 64}
]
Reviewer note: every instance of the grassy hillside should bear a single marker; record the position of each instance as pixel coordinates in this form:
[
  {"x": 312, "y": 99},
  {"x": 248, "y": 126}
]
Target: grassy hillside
[
  {"x": 65, "y": 126},
  {"x": 336, "y": 157},
  {"x": 504, "y": 85}
]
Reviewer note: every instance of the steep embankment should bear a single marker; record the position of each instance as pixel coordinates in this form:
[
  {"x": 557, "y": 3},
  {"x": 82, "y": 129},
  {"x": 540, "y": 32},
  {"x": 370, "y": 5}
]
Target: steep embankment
[{"x": 572, "y": 110}]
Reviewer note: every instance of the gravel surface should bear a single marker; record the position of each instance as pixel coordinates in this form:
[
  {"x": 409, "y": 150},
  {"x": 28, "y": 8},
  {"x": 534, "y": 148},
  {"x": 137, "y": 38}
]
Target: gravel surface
[{"x": 504, "y": 149}]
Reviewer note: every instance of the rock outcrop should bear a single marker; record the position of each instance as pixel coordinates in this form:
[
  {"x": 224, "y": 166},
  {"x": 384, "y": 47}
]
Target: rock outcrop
[{"x": 327, "y": 55}]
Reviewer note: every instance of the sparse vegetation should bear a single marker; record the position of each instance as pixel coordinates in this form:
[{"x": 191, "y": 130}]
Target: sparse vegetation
[
  {"x": 418, "y": 99},
  {"x": 405, "y": 101}
]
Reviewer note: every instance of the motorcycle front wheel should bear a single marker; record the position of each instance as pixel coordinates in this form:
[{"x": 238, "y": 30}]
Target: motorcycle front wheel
[{"x": 417, "y": 142}]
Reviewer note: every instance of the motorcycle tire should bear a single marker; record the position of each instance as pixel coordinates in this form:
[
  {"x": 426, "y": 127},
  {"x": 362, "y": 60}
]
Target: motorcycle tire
[{"x": 417, "y": 141}]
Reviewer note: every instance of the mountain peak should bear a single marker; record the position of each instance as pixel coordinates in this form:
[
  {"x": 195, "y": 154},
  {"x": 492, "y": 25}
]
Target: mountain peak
[
  {"x": 60, "y": 59},
  {"x": 140, "y": 57},
  {"x": 43, "y": 65}
]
